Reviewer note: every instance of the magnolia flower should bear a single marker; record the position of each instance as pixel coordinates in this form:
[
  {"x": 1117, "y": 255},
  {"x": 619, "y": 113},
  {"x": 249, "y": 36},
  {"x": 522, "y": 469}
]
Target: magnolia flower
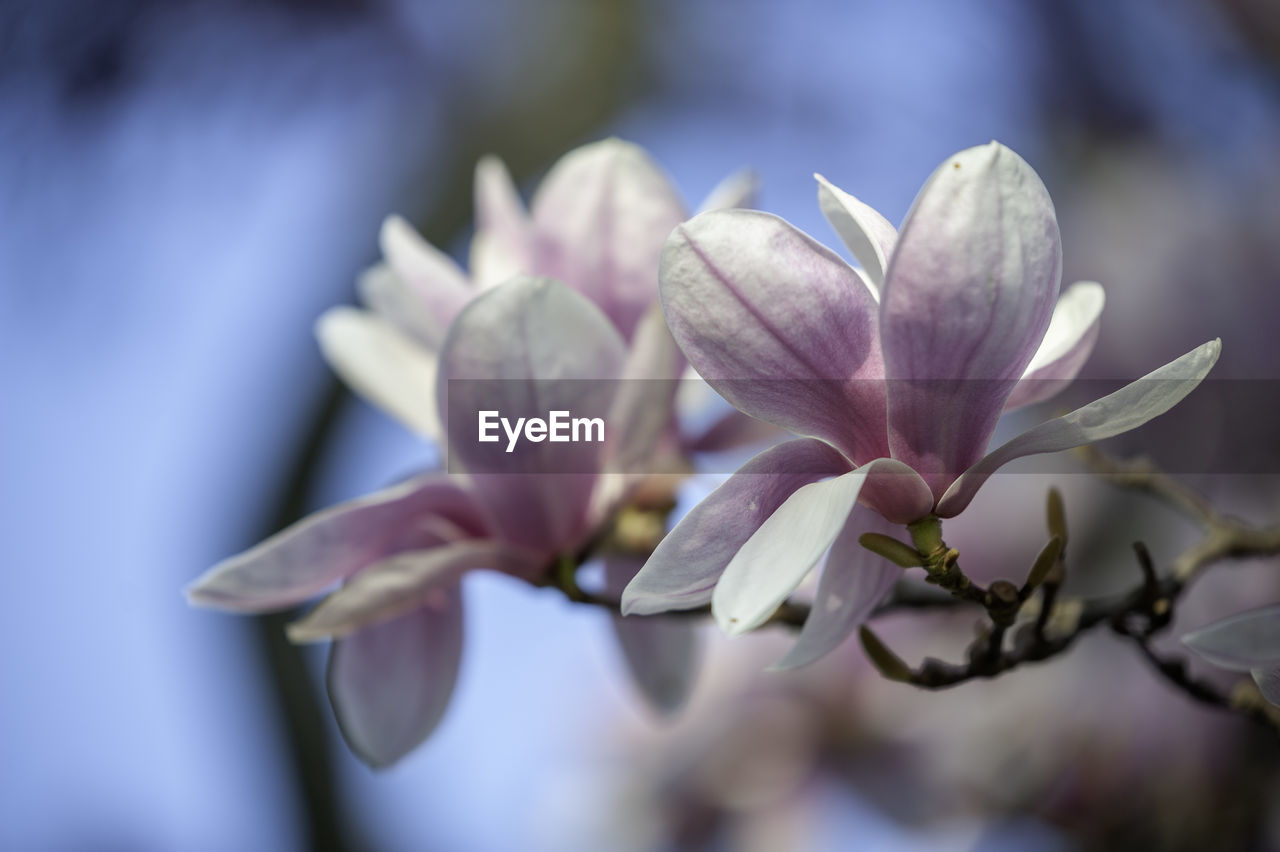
[
  {"x": 1248, "y": 642},
  {"x": 597, "y": 223},
  {"x": 896, "y": 372},
  {"x": 399, "y": 554}
]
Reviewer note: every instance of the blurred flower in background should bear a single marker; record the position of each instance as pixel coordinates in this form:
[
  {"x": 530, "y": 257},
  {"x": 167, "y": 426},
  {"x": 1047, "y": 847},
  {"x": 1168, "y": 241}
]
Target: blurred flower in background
[{"x": 188, "y": 185}]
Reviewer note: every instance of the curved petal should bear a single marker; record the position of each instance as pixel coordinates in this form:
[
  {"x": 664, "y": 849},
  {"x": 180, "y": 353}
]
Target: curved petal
[
  {"x": 387, "y": 295},
  {"x": 1250, "y": 640},
  {"x": 1118, "y": 412},
  {"x": 737, "y": 190},
  {"x": 643, "y": 409},
  {"x": 402, "y": 583},
  {"x": 685, "y": 566},
  {"x": 967, "y": 298},
  {"x": 383, "y": 365},
  {"x": 527, "y": 348},
  {"x": 1066, "y": 345},
  {"x": 854, "y": 581},
  {"x": 779, "y": 326},
  {"x": 896, "y": 492},
  {"x": 503, "y": 242},
  {"x": 303, "y": 560},
  {"x": 600, "y": 217},
  {"x": 868, "y": 235},
  {"x": 783, "y": 550},
  {"x": 429, "y": 276},
  {"x": 491, "y": 264},
  {"x": 1268, "y": 680},
  {"x": 661, "y": 652},
  {"x": 390, "y": 684}
]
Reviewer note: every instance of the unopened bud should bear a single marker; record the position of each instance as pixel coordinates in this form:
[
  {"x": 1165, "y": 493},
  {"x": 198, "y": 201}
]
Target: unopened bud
[
  {"x": 1057, "y": 516},
  {"x": 902, "y": 555},
  {"x": 886, "y": 662},
  {"x": 1042, "y": 566}
]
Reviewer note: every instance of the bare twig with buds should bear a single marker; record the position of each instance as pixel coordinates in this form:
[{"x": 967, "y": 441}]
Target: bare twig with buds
[{"x": 1052, "y": 624}]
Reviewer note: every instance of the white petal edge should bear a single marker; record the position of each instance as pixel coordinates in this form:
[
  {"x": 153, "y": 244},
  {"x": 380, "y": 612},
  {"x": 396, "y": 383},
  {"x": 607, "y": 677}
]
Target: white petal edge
[
  {"x": 500, "y": 248},
  {"x": 400, "y": 584},
  {"x": 416, "y": 260},
  {"x": 383, "y": 365},
  {"x": 309, "y": 556},
  {"x": 1268, "y": 681},
  {"x": 387, "y": 295},
  {"x": 644, "y": 403},
  {"x": 1243, "y": 642},
  {"x": 775, "y": 560},
  {"x": 662, "y": 652},
  {"x": 737, "y": 190},
  {"x": 1116, "y": 413},
  {"x": 683, "y": 570},
  {"x": 1073, "y": 328},
  {"x": 868, "y": 235},
  {"x": 854, "y": 581},
  {"x": 1077, "y": 309},
  {"x": 390, "y": 684}
]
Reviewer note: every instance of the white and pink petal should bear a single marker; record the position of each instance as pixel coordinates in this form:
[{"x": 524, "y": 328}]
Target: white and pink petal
[
  {"x": 967, "y": 298},
  {"x": 683, "y": 570},
  {"x": 661, "y": 652},
  {"x": 390, "y": 683},
  {"x": 503, "y": 244},
  {"x": 1073, "y": 329},
  {"x": 1243, "y": 642},
  {"x": 405, "y": 582},
  {"x": 737, "y": 190},
  {"x": 382, "y": 364},
  {"x": 854, "y": 581},
  {"x": 778, "y": 556},
  {"x": 307, "y": 558},
  {"x": 778, "y": 325},
  {"x": 1118, "y": 412},
  {"x": 868, "y": 235},
  {"x": 600, "y": 218},
  {"x": 643, "y": 411},
  {"x": 524, "y": 349},
  {"x": 429, "y": 276}
]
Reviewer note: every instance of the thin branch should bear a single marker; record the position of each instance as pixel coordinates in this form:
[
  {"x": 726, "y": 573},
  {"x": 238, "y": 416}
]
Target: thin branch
[
  {"x": 1137, "y": 614},
  {"x": 1246, "y": 701},
  {"x": 1224, "y": 537},
  {"x": 1141, "y": 474},
  {"x": 906, "y": 596}
]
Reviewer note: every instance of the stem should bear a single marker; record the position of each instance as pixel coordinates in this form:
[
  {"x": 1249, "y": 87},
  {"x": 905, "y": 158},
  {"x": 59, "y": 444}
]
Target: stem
[{"x": 1143, "y": 611}]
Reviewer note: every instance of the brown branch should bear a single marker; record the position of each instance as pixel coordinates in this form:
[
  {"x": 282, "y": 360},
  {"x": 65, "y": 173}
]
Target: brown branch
[
  {"x": 906, "y": 596},
  {"x": 1136, "y": 615},
  {"x": 1224, "y": 537},
  {"x": 1244, "y": 700}
]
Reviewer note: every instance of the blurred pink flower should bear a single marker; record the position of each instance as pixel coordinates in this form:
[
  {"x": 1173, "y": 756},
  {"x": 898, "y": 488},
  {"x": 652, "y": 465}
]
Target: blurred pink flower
[
  {"x": 396, "y": 620},
  {"x": 597, "y": 223}
]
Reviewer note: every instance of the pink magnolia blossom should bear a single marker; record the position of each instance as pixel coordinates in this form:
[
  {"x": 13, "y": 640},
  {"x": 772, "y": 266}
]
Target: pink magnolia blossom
[
  {"x": 399, "y": 554},
  {"x": 896, "y": 373},
  {"x": 598, "y": 223}
]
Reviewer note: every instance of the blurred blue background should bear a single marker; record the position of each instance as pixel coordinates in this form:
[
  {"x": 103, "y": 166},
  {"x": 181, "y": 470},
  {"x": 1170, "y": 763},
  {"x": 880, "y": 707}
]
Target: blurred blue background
[{"x": 185, "y": 186}]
